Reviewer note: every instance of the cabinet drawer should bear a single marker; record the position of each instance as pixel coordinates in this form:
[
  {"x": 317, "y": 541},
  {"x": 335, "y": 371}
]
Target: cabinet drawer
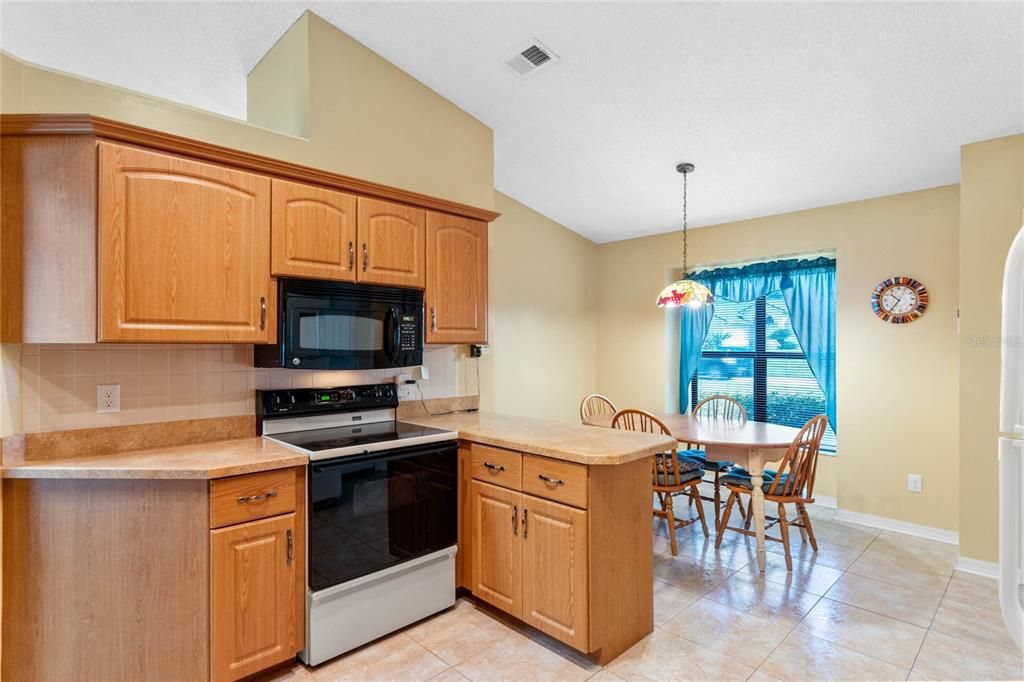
[
  {"x": 555, "y": 480},
  {"x": 237, "y": 499},
  {"x": 497, "y": 466}
]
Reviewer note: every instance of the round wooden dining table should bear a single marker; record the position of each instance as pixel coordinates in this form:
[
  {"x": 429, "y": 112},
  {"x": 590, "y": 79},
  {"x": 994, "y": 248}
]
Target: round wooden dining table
[{"x": 750, "y": 444}]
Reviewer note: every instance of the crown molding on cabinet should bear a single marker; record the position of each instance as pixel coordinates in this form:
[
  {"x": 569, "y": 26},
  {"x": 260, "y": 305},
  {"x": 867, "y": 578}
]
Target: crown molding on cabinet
[{"x": 85, "y": 124}]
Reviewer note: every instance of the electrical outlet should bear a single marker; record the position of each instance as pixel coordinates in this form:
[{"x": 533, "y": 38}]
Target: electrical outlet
[
  {"x": 406, "y": 391},
  {"x": 915, "y": 483},
  {"x": 476, "y": 351},
  {"x": 108, "y": 398}
]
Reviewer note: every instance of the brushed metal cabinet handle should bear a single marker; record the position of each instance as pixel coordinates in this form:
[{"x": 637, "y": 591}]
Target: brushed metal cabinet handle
[
  {"x": 494, "y": 467},
  {"x": 291, "y": 546},
  {"x": 366, "y": 257},
  {"x": 245, "y": 499},
  {"x": 524, "y": 522},
  {"x": 351, "y": 256},
  {"x": 515, "y": 519},
  {"x": 551, "y": 481},
  {"x": 433, "y": 319},
  {"x": 263, "y": 313}
]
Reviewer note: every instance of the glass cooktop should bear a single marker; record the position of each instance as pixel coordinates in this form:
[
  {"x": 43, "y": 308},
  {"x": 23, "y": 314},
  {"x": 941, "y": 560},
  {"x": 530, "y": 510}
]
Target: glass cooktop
[{"x": 394, "y": 433}]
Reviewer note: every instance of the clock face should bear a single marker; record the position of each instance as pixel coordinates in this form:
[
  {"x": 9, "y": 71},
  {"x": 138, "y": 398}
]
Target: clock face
[{"x": 899, "y": 300}]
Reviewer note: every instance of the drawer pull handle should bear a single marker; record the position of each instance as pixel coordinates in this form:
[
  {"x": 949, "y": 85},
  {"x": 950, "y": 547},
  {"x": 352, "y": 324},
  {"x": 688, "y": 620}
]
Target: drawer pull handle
[
  {"x": 550, "y": 481},
  {"x": 245, "y": 499},
  {"x": 494, "y": 467},
  {"x": 515, "y": 519}
]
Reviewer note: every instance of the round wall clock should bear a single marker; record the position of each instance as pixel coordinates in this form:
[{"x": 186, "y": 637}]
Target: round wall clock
[{"x": 899, "y": 300}]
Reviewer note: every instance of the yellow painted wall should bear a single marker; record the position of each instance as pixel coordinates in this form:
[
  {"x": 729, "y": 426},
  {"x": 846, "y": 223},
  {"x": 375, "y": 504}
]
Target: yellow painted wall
[
  {"x": 277, "y": 88},
  {"x": 897, "y": 385},
  {"x": 543, "y": 315},
  {"x": 991, "y": 201}
]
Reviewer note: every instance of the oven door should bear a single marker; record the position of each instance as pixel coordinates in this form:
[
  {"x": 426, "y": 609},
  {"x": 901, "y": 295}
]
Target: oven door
[{"x": 370, "y": 512}]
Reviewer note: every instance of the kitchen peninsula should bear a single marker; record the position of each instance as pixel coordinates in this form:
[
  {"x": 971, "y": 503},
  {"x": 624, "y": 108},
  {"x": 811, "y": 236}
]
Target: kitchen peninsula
[{"x": 159, "y": 526}]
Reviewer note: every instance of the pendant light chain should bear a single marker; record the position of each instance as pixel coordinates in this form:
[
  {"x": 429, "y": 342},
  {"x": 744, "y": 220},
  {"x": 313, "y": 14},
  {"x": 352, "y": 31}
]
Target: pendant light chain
[{"x": 685, "y": 269}]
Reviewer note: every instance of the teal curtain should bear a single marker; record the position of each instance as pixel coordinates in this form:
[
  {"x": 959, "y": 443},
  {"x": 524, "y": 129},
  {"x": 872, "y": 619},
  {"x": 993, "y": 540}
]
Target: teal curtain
[{"x": 809, "y": 289}]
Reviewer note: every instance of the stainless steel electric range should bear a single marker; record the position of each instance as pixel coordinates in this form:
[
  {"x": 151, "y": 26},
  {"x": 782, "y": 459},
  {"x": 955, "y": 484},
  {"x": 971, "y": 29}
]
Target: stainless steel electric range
[{"x": 381, "y": 512}]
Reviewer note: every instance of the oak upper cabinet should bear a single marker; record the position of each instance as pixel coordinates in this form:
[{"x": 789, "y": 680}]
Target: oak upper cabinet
[
  {"x": 253, "y": 601},
  {"x": 555, "y": 570},
  {"x": 313, "y": 232},
  {"x": 456, "y": 295},
  {"x": 497, "y": 553},
  {"x": 391, "y": 244},
  {"x": 183, "y": 250}
]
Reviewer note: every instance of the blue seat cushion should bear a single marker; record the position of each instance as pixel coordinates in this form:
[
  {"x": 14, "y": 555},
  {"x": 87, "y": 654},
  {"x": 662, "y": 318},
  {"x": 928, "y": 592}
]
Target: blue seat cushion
[
  {"x": 740, "y": 477},
  {"x": 700, "y": 458},
  {"x": 684, "y": 476}
]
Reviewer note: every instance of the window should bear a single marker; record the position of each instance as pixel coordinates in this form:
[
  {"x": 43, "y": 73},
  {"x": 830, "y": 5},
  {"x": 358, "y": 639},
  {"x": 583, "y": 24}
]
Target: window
[{"x": 752, "y": 354}]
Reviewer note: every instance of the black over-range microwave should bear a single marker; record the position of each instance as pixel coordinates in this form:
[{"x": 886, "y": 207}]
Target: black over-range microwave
[{"x": 337, "y": 325}]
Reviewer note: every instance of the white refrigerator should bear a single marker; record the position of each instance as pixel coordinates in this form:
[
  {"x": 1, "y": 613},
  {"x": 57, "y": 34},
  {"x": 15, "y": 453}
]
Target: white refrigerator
[{"x": 1011, "y": 442}]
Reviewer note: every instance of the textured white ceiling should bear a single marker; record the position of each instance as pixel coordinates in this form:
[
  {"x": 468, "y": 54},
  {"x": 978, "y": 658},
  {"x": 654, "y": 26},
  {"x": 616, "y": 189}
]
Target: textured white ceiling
[{"x": 781, "y": 106}]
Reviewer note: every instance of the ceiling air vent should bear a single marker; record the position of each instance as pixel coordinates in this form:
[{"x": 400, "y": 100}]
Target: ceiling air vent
[{"x": 529, "y": 58}]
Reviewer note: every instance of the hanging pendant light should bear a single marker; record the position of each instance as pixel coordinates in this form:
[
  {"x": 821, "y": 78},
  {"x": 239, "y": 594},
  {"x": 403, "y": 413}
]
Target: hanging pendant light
[{"x": 685, "y": 291}]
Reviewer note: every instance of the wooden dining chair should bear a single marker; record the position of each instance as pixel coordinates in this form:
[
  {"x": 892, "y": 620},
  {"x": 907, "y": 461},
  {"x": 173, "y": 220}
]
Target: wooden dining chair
[
  {"x": 670, "y": 473},
  {"x": 715, "y": 407},
  {"x": 595, "y": 404},
  {"x": 793, "y": 483}
]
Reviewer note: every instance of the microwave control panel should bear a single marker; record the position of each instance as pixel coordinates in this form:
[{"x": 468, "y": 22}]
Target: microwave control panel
[{"x": 407, "y": 331}]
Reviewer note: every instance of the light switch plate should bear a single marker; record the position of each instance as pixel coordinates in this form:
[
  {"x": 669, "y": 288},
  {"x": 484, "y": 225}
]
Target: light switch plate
[{"x": 108, "y": 398}]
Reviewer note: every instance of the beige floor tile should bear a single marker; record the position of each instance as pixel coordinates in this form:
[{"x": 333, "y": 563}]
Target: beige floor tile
[
  {"x": 764, "y": 598},
  {"x": 950, "y": 658},
  {"x": 517, "y": 657},
  {"x": 604, "y": 676},
  {"x": 724, "y": 630},
  {"x": 828, "y": 554},
  {"x": 973, "y": 589},
  {"x": 974, "y": 622},
  {"x": 761, "y": 676},
  {"x": 669, "y": 601},
  {"x": 457, "y": 634},
  {"x": 819, "y": 512},
  {"x": 887, "y": 639},
  {"x": 399, "y": 657},
  {"x": 895, "y": 601},
  {"x": 449, "y": 675},
  {"x": 911, "y": 547},
  {"x": 663, "y": 656},
  {"x": 690, "y": 574},
  {"x": 802, "y": 657},
  {"x": 807, "y": 575},
  {"x": 919, "y": 574},
  {"x": 840, "y": 533},
  {"x": 736, "y": 551}
]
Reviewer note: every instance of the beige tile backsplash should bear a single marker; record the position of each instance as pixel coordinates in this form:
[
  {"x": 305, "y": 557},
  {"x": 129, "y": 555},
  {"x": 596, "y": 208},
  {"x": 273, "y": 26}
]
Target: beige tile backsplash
[{"x": 166, "y": 383}]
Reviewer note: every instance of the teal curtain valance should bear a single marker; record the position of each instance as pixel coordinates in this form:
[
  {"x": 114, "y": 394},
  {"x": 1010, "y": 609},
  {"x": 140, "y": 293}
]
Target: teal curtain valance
[{"x": 775, "y": 268}]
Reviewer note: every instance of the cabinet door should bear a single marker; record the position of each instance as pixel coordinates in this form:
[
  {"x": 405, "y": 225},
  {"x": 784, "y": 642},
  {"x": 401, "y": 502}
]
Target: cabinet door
[
  {"x": 456, "y": 295},
  {"x": 253, "y": 597},
  {"x": 391, "y": 249},
  {"x": 184, "y": 250},
  {"x": 555, "y": 570},
  {"x": 497, "y": 550},
  {"x": 313, "y": 232}
]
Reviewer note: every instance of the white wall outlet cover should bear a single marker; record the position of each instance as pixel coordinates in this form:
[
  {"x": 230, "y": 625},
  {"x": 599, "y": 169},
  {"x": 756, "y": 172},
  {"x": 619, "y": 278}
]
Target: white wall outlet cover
[
  {"x": 424, "y": 372},
  {"x": 108, "y": 398},
  {"x": 406, "y": 391},
  {"x": 915, "y": 483}
]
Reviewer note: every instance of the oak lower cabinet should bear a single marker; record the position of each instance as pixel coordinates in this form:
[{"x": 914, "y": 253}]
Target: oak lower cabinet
[
  {"x": 183, "y": 250},
  {"x": 563, "y": 546},
  {"x": 456, "y": 293},
  {"x": 170, "y": 580},
  {"x": 253, "y": 600}
]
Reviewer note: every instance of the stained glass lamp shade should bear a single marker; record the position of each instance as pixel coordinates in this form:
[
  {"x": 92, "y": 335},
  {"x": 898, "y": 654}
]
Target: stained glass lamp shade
[{"x": 685, "y": 291}]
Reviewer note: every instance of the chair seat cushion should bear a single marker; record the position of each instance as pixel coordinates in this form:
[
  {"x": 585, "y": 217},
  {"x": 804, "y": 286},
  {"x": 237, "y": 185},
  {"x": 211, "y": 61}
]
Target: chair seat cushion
[
  {"x": 700, "y": 458},
  {"x": 684, "y": 476},
  {"x": 743, "y": 480}
]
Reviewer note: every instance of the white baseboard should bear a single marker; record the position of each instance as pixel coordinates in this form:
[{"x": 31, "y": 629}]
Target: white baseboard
[
  {"x": 824, "y": 501},
  {"x": 987, "y": 569},
  {"x": 928, "y": 532}
]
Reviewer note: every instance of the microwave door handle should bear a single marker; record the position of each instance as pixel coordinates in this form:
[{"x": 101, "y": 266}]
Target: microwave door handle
[{"x": 392, "y": 333}]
